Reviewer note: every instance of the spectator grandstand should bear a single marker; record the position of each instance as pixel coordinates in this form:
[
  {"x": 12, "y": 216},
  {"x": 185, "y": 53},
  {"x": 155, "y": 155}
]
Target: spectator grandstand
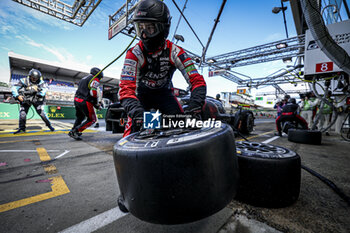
[{"x": 62, "y": 81}]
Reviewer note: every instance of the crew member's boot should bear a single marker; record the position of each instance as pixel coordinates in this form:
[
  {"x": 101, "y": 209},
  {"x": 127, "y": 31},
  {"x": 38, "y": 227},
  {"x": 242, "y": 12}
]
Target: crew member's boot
[
  {"x": 75, "y": 134},
  {"x": 19, "y": 131}
]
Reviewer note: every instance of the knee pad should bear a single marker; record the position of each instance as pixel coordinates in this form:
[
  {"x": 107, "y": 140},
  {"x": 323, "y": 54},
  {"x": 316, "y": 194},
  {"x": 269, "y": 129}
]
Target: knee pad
[{"x": 23, "y": 114}]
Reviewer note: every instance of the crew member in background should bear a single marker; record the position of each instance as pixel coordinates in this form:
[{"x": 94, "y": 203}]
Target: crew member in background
[
  {"x": 29, "y": 91},
  {"x": 145, "y": 81},
  {"x": 99, "y": 101},
  {"x": 326, "y": 114},
  {"x": 285, "y": 100},
  {"x": 85, "y": 100},
  {"x": 280, "y": 104},
  {"x": 278, "y": 107},
  {"x": 314, "y": 102},
  {"x": 301, "y": 104},
  {"x": 289, "y": 113},
  {"x": 308, "y": 106},
  {"x": 218, "y": 96}
]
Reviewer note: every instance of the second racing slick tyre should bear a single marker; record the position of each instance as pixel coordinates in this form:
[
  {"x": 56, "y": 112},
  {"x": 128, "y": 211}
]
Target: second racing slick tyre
[
  {"x": 269, "y": 175},
  {"x": 177, "y": 176},
  {"x": 244, "y": 121},
  {"x": 305, "y": 136},
  {"x": 247, "y": 122}
]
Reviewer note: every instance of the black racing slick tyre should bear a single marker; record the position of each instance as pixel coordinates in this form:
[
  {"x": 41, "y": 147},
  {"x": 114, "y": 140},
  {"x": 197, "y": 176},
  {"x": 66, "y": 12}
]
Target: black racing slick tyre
[
  {"x": 269, "y": 175},
  {"x": 244, "y": 121},
  {"x": 177, "y": 176},
  {"x": 109, "y": 126},
  {"x": 116, "y": 128},
  {"x": 305, "y": 136},
  {"x": 247, "y": 122}
]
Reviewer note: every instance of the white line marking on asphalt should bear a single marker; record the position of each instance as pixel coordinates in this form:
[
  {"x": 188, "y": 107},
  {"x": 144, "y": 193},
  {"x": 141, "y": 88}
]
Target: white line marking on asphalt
[
  {"x": 270, "y": 139},
  {"x": 59, "y": 156},
  {"x": 96, "y": 222},
  {"x": 26, "y": 151}
]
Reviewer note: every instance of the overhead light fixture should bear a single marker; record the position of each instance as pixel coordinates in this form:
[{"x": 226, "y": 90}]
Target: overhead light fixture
[
  {"x": 197, "y": 59},
  {"x": 211, "y": 60},
  {"x": 287, "y": 60},
  {"x": 179, "y": 38},
  {"x": 281, "y": 45},
  {"x": 283, "y": 8},
  {"x": 277, "y": 10}
]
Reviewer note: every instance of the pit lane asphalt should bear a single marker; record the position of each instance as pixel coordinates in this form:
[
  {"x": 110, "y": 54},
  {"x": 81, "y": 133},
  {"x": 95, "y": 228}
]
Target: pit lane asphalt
[{"x": 77, "y": 191}]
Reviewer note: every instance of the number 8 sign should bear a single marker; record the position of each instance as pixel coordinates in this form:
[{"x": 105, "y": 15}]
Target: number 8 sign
[{"x": 324, "y": 67}]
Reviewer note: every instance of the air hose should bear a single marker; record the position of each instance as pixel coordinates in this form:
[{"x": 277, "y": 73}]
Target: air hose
[
  {"x": 239, "y": 133},
  {"x": 347, "y": 136},
  {"x": 329, "y": 183},
  {"x": 33, "y": 113},
  {"x": 116, "y": 57}
]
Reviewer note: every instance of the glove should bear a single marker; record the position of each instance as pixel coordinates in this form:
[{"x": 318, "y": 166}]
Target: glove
[
  {"x": 138, "y": 118},
  {"x": 20, "y": 98},
  {"x": 194, "y": 112},
  {"x": 138, "y": 121},
  {"x": 98, "y": 106}
]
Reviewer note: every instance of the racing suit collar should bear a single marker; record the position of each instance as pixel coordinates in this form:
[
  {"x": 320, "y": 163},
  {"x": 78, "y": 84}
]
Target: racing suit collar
[{"x": 154, "y": 53}]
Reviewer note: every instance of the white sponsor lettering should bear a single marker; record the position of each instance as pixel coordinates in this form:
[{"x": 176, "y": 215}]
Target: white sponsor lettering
[
  {"x": 193, "y": 137},
  {"x": 191, "y": 123},
  {"x": 130, "y": 62},
  {"x": 128, "y": 73},
  {"x": 188, "y": 63},
  {"x": 95, "y": 84},
  {"x": 129, "y": 68},
  {"x": 164, "y": 68}
]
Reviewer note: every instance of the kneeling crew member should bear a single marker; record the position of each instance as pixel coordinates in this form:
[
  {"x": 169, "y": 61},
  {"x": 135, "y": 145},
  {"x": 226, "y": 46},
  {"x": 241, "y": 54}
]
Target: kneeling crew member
[{"x": 146, "y": 79}]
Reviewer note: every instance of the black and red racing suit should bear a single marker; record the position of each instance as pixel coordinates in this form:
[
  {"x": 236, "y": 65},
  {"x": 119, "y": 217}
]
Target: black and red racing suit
[
  {"x": 146, "y": 84},
  {"x": 85, "y": 99},
  {"x": 289, "y": 113}
]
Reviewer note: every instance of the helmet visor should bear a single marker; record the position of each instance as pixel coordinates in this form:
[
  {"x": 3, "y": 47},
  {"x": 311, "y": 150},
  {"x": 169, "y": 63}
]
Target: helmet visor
[
  {"x": 148, "y": 29},
  {"x": 33, "y": 79}
]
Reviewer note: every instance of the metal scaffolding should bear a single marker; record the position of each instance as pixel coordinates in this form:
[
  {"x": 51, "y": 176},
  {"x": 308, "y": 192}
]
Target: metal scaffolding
[
  {"x": 285, "y": 92},
  {"x": 278, "y": 50},
  {"x": 289, "y": 48},
  {"x": 76, "y": 14},
  {"x": 119, "y": 22}
]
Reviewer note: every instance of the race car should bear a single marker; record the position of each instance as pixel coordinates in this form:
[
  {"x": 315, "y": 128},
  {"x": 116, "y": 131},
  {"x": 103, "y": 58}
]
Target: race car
[{"x": 242, "y": 121}]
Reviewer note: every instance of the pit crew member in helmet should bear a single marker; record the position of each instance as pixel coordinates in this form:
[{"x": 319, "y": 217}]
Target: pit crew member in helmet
[
  {"x": 146, "y": 78},
  {"x": 85, "y": 99},
  {"x": 29, "y": 91}
]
